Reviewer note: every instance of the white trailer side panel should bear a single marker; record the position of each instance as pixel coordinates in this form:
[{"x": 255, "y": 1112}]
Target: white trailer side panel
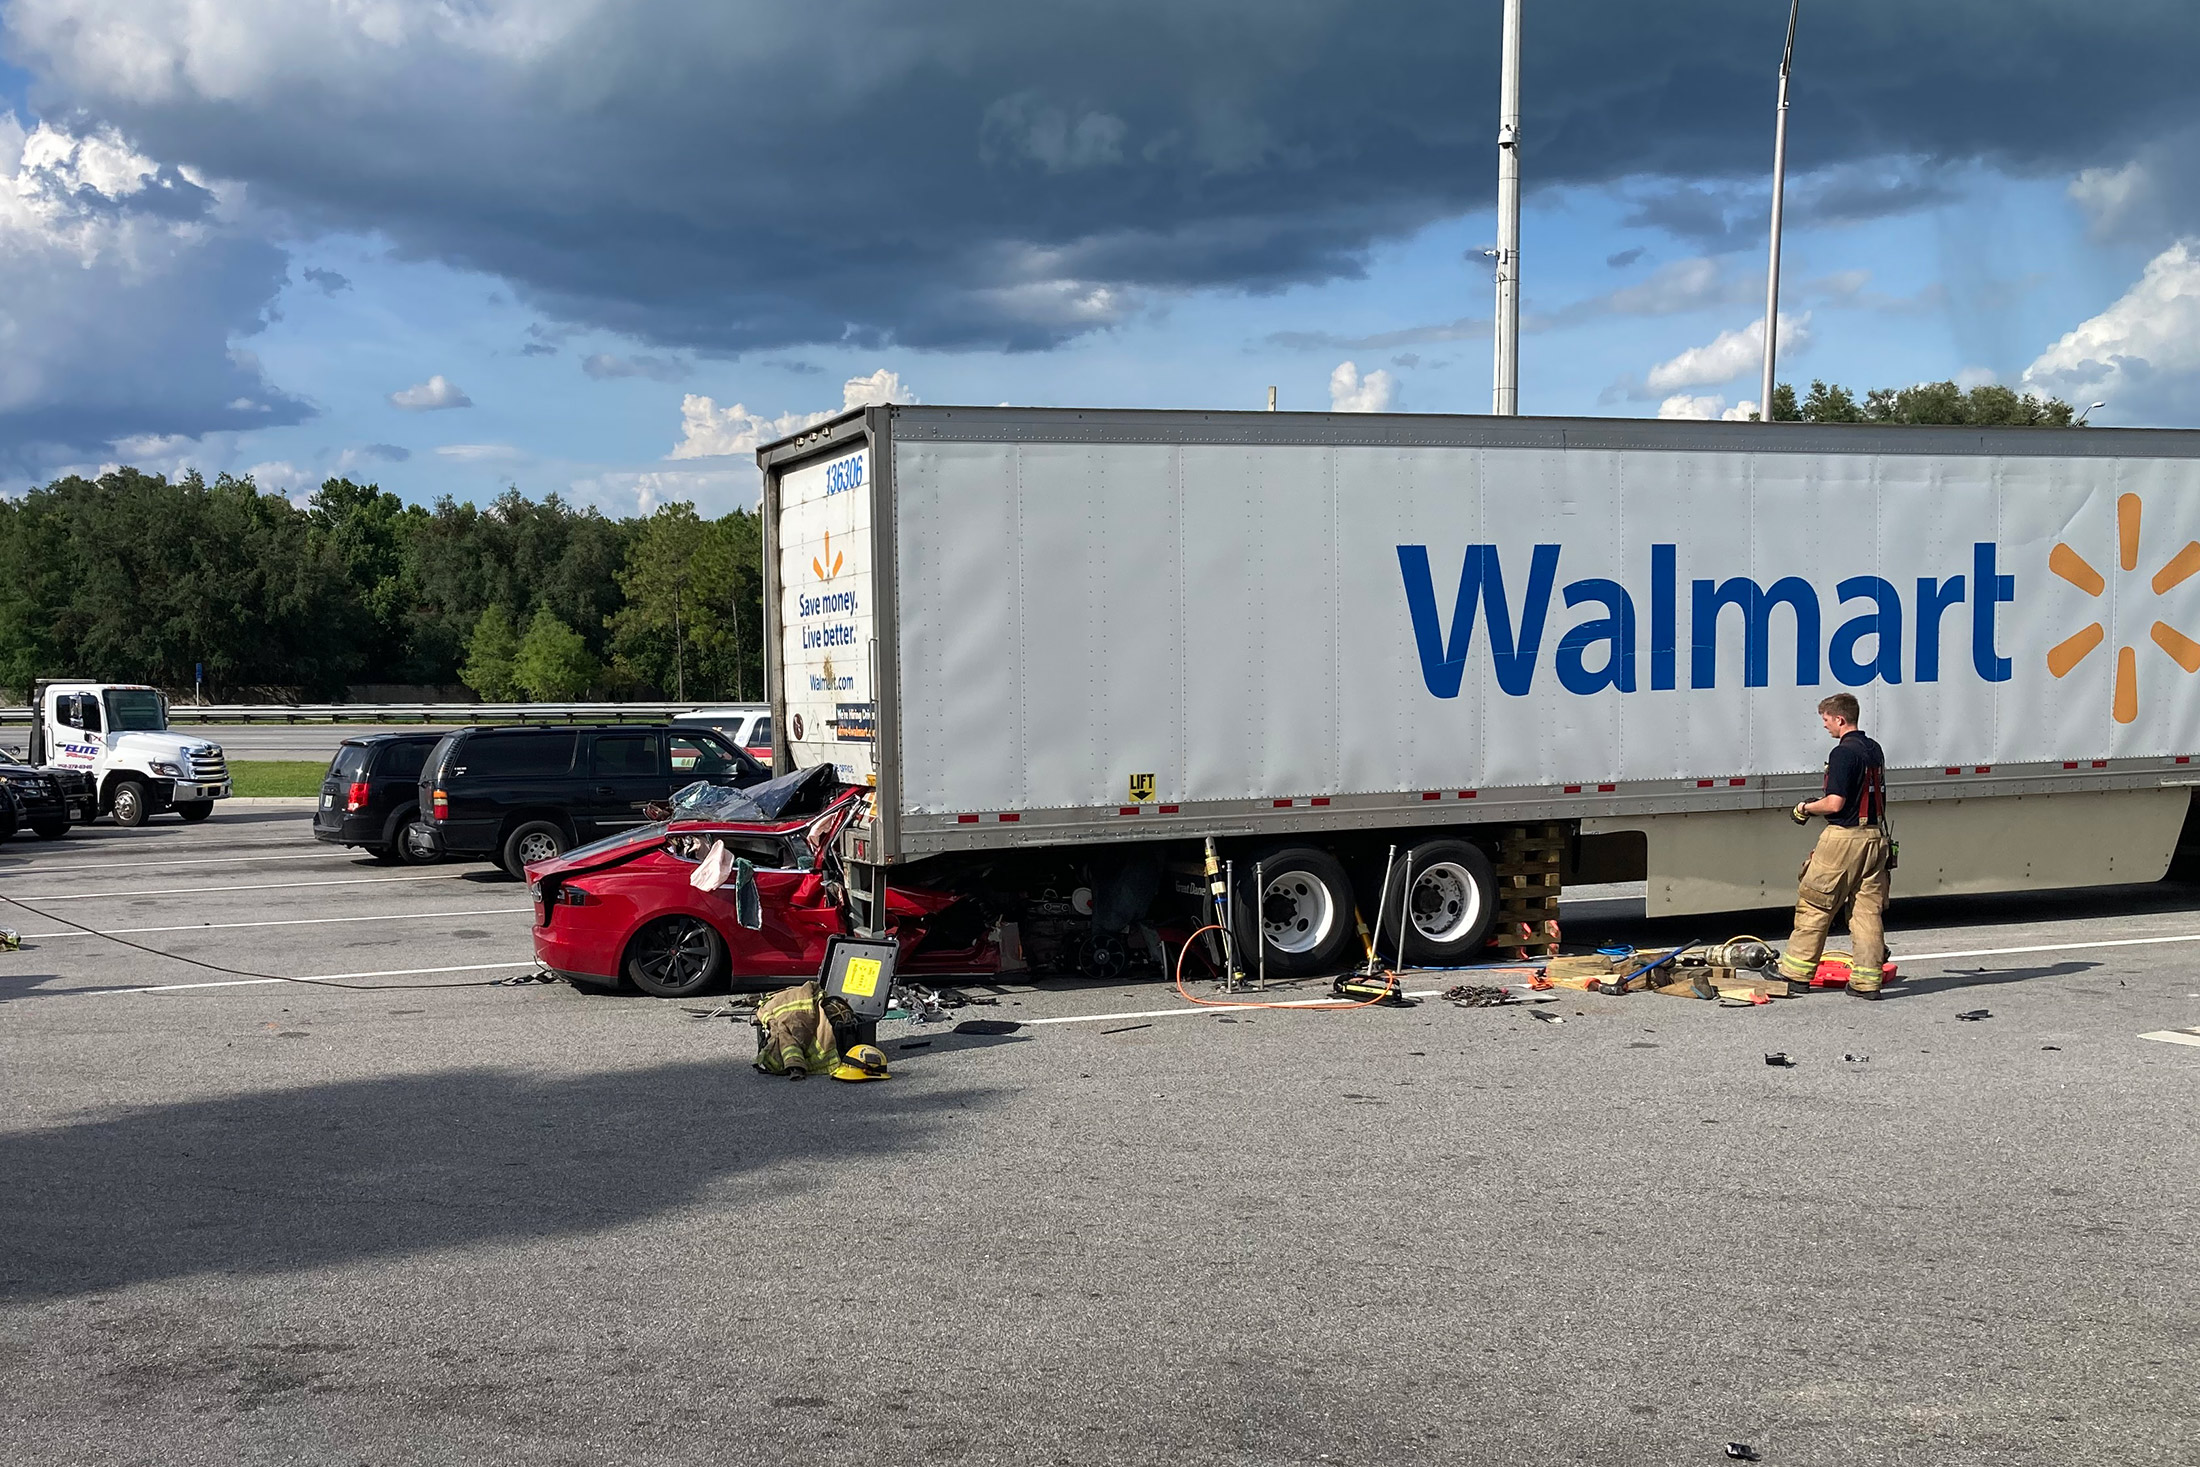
[{"x": 1271, "y": 621}]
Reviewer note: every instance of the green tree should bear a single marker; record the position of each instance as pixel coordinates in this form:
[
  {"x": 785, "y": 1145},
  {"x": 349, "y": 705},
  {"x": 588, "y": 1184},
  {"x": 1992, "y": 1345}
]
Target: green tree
[
  {"x": 366, "y": 529},
  {"x": 692, "y": 623},
  {"x": 671, "y": 618},
  {"x": 553, "y": 661},
  {"x": 491, "y": 653},
  {"x": 1987, "y": 406}
]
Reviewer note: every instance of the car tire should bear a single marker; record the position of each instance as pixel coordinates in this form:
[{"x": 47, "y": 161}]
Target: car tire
[
  {"x": 50, "y": 829},
  {"x": 537, "y": 840},
  {"x": 1442, "y": 916},
  {"x": 130, "y": 805},
  {"x": 8, "y": 823},
  {"x": 1303, "y": 919},
  {"x": 414, "y": 843},
  {"x": 676, "y": 957},
  {"x": 195, "y": 810}
]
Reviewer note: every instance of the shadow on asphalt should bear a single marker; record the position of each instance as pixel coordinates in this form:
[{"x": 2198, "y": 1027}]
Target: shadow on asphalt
[
  {"x": 1948, "y": 982},
  {"x": 287, "y": 1180}
]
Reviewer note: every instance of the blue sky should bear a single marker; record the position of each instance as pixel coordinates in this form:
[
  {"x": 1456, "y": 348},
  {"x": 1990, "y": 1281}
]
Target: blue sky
[{"x": 450, "y": 298}]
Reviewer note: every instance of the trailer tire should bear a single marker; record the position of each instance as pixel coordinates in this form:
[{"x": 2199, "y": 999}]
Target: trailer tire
[
  {"x": 1444, "y": 916},
  {"x": 50, "y": 829},
  {"x": 1303, "y": 918},
  {"x": 129, "y": 803},
  {"x": 195, "y": 810}
]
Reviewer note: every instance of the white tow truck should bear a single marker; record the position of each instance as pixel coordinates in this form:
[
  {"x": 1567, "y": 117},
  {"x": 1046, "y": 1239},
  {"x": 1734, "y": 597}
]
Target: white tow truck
[{"x": 117, "y": 734}]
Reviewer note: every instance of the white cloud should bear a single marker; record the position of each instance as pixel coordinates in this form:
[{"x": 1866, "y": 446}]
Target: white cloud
[
  {"x": 2142, "y": 354},
  {"x": 1728, "y": 356},
  {"x": 1682, "y": 405},
  {"x": 879, "y": 389},
  {"x": 480, "y": 453},
  {"x": 437, "y": 392},
  {"x": 1349, "y": 392},
  {"x": 712, "y": 491},
  {"x": 710, "y": 431},
  {"x": 1970, "y": 377},
  {"x": 123, "y": 283}
]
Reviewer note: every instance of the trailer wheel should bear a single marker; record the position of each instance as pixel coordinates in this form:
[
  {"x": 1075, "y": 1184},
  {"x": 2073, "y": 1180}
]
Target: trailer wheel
[
  {"x": 1443, "y": 917},
  {"x": 1303, "y": 916},
  {"x": 676, "y": 958},
  {"x": 129, "y": 803}
]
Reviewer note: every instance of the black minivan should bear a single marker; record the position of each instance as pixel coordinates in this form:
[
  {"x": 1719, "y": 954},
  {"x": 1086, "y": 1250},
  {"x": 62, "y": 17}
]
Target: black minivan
[
  {"x": 370, "y": 797},
  {"x": 519, "y": 794}
]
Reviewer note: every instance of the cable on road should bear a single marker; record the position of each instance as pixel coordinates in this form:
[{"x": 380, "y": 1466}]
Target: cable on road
[{"x": 512, "y": 982}]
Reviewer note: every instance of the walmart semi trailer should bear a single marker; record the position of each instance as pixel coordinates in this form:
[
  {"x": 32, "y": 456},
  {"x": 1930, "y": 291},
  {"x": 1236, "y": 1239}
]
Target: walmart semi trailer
[{"x": 1064, "y": 646}]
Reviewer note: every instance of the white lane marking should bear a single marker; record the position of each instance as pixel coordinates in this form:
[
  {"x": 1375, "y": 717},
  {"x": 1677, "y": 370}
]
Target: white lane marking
[
  {"x": 60, "y": 866},
  {"x": 308, "y": 978},
  {"x": 86, "y": 896},
  {"x": 286, "y": 922},
  {"x": 2176, "y": 1036},
  {"x": 2045, "y": 947}
]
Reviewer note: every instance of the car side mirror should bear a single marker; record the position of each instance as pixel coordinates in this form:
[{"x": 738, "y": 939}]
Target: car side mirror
[{"x": 748, "y": 902}]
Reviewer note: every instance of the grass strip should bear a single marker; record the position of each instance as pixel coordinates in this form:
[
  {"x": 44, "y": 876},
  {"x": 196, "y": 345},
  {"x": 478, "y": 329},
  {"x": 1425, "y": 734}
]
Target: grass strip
[{"x": 276, "y": 778}]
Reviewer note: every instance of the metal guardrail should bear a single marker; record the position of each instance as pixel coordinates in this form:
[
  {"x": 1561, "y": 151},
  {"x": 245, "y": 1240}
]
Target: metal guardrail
[{"x": 454, "y": 713}]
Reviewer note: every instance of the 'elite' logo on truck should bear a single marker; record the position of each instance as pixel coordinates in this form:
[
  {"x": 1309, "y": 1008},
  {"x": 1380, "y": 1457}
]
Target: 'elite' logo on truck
[
  {"x": 2065, "y": 655},
  {"x": 1866, "y": 648}
]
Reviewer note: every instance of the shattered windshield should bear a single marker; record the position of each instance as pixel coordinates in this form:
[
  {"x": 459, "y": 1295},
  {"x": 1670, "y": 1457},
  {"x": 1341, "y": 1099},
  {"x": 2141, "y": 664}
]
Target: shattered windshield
[{"x": 789, "y": 797}]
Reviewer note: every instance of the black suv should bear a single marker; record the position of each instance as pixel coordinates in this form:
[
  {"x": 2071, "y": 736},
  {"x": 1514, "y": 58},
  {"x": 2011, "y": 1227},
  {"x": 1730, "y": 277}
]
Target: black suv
[
  {"x": 525, "y": 794},
  {"x": 32, "y": 797},
  {"x": 370, "y": 797}
]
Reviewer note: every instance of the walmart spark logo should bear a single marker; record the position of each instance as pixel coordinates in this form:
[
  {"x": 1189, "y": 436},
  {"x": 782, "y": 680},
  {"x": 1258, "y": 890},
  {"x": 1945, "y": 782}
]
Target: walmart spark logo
[
  {"x": 819, "y": 563},
  {"x": 2065, "y": 655}
]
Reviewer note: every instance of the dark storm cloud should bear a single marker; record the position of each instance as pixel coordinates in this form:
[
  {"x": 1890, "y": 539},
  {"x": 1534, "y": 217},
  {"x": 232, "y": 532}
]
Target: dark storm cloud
[
  {"x": 744, "y": 175},
  {"x": 328, "y": 280}
]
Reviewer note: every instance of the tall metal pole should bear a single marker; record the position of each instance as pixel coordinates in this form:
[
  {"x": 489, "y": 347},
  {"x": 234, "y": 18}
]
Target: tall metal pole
[
  {"x": 1779, "y": 199},
  {"x": 1505, "y": 398}
]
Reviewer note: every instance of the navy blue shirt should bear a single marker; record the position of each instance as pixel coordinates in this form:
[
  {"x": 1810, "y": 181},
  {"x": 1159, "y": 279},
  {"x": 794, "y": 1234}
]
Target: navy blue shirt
[{"x": 1857, "y": 772}]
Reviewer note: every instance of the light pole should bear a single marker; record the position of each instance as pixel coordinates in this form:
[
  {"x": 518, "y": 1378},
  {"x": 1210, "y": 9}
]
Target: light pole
[
  {"x": 1505, "y": 398},
  {"x": 1779, "y": 191},
  {"x": 2087, "y": 414}
]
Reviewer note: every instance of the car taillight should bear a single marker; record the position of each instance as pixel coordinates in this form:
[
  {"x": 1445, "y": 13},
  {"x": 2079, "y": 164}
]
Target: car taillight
[
  {"x": 357, "y": 799},
  {"x": 441, "y": 804}
]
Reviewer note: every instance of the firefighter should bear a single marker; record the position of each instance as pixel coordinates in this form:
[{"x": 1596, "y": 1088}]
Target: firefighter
[{"x": 1849, "y": 868}]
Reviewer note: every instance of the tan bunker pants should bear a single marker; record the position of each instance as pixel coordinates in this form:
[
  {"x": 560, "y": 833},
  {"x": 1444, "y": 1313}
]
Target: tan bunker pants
[{"x": 1848, "y": 869}]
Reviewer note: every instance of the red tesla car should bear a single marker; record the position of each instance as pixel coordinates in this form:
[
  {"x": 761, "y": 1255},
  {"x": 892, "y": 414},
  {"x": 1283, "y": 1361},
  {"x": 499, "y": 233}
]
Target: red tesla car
[{"x": 625, "y": 908}]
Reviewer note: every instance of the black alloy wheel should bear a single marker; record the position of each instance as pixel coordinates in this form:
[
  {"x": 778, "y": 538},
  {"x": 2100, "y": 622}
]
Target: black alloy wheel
[{"x": 677, "y": 957}]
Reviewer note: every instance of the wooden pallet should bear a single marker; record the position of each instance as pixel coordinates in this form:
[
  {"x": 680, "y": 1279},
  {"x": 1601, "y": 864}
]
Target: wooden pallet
[{"x": 1528, "y": 889}]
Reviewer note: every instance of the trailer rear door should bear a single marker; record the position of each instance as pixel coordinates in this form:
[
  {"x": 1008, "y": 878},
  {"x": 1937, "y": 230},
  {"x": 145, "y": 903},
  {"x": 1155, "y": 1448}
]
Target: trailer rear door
[{"x": 828, "y": 644}]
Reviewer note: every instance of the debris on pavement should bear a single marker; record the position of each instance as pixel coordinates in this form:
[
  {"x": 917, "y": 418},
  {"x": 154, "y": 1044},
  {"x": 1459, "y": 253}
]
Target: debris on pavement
[
  {"x": 11, "y": 941},
  {"x": 1780, "y": 1060},
  {"x": 1477, "y": 996},
  {"x": 1975, "y": 1015},
  {"x": 1742, "y": 1452},
  {"x": 1118, "y": 1029},
  {"x": 1546, "y": 1018},
  {"x": 998, "y": 1026}
]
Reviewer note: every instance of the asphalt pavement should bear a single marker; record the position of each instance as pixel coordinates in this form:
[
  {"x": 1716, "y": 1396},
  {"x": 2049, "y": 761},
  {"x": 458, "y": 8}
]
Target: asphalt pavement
[{"x": 396, "y": 1222}]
